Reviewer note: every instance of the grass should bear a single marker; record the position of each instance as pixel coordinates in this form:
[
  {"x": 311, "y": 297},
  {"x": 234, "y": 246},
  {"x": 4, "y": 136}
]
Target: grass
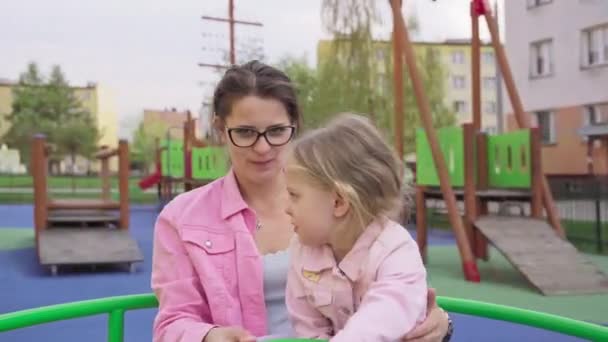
[
  {"x": 22, "y": 198},
  {"x": 61, "y": 182},
  {"x": 67, "y": 183}
]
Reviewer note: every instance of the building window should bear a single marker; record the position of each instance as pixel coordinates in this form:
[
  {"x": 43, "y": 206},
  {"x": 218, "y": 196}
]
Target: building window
[
  {"x": 458, "y": 82},
  {"x": 541, "y": 58},
  {"x": 489, "y": 82},
  {"x": 460, "y": 107},
  {"x": 596, "y": 114},
  {"x": 488, "y": 57},
  {"x": 490, "y": 107},
  {"x": 435, "y": 53},
  {"x": 536, "y": 3},
  {"x": 594, "y": 46},
  {"x": 490, "y": 130},
  {"x": 458, "y": 57},
  {"x": 545, "y": 121}
]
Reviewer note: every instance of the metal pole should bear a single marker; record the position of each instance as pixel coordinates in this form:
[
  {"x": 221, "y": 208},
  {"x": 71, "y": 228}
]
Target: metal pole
[
  {"x": 475, "y": 67},
  {"x": 231, "y": 23},
  {"x": 499, "y": 112},
  {"x": 522, "y": 118},
  {"x": 598, "y": 216}
]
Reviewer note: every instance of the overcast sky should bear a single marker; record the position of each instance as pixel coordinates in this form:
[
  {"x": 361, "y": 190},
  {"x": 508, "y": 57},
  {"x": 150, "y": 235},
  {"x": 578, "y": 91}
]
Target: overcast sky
[{"x": 147, "y": 53}]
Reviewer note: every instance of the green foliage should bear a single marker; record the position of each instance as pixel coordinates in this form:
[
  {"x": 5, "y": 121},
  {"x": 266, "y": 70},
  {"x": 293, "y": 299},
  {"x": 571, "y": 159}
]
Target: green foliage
[
  {"x": 356, "y": 74},
  {"x": 144, "y": 143},
  {"x": 306, "y": 81},
  {"x": 50, "y": 107}
]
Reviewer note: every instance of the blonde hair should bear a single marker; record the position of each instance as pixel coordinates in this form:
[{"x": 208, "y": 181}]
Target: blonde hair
[{"x": 350, "y": 157}]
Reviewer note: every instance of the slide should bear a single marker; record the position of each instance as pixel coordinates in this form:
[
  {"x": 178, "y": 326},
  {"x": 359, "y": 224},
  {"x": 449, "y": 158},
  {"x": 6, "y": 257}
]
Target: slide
[
  {"x": 550, "y": 263},
  {"x": 150, "y": 181}
]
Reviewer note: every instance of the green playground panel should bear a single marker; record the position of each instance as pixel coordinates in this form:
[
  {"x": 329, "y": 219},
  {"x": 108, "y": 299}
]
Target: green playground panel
[
  {"x": 116, "y": 307},
  {"x": 172, "y": 158},
  {"x": 209, "y": 163},
  {"x": 451, "y": 143},
  {"x": 509, "y": 160}
]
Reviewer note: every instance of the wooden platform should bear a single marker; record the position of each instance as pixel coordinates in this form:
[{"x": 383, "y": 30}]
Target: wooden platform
[
  {"x": 75, "y": 246},
  {"x": 551, "y": 264},
  {"x": 82, "y": 204},
  {"x": 489, "y": 194},
  {"x": 82, "y": 218}
]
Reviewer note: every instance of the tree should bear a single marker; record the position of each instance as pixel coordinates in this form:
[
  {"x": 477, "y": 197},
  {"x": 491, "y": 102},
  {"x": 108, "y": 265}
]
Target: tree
[
  {"x": 74, "y": 138},
  {"x": 306, "y": 82},
  {"x": 50, "y": 107},
  {"x": 358, "y": 75},
  {"x": 144, "y": 143}
]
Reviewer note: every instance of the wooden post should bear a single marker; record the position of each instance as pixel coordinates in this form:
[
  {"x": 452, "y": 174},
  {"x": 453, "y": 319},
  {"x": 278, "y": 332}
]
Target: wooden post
[
  {"x": 421, "y": 226},
  {"x": 39, "y": 174},
  {"x": 188, "y": 135},
  {"x": 105, "y": 179},
  {"x": 536, "y": 201},
  {"x": 522, "y": 118},
  {"x": 481, "y": 243},
  {"x": 398, "y": 89},
  {"x": 123, "y": 182},
  {"x": 475, "y": 67},
  {"x": 470, "y": 191},
  {"x": 469, "y": 264}
]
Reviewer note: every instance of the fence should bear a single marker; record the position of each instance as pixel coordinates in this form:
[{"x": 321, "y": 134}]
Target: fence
[{"x": 582, "y": 203}]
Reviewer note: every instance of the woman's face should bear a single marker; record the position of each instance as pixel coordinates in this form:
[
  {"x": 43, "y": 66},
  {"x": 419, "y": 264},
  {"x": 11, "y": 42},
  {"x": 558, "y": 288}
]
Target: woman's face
[{"x": 255, "y": 158}]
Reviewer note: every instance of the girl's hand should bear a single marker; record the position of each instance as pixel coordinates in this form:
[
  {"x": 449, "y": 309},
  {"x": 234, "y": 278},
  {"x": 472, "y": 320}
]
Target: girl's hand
[
  {"x": 229, "y": 334},
  {"x": 435, "y": 326}
]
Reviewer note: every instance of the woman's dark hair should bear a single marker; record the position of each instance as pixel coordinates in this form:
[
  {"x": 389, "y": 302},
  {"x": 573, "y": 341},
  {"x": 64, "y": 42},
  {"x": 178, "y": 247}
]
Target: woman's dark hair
[{"x": 255, "y": 78}]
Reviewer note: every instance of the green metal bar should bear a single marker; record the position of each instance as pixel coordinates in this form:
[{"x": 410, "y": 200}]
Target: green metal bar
[
  {"x": 52, "y": 313},
  {"x": 117, "y": 306},
  {"x": 567, "y": 326},
  {"x": 116, "y": 325}
]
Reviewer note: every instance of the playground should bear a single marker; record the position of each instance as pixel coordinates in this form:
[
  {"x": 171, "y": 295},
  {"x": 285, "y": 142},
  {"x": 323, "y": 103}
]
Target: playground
[
  {"x": 78, "y": 269},
  {"x": 26, "y": 285}
]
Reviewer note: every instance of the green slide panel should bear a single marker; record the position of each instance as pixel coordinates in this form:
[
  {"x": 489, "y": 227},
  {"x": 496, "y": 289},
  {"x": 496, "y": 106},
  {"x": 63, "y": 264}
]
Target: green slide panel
[
  {"x": 172, "y": 159},
  {"x": 509, "y": 160},
  {"x": 209, "y": 163},
  {"x": 451, "y": 142}
]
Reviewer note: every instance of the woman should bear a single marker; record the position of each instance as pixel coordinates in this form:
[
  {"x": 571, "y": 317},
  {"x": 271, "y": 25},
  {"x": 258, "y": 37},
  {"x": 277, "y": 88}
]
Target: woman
[{"x": 220, "y": 262}]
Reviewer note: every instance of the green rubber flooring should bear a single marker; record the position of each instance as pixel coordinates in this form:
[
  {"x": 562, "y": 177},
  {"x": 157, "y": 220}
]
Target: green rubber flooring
[
  {"x": 15, "y": 238},
  {"x": 501, "y": 283}
]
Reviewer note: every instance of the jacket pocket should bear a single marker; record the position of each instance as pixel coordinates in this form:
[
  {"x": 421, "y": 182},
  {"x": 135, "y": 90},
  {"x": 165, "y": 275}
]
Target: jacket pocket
[
  {"x": 213, "y": 256},
  {"x": 210, "y": 242},
  {"x": 320, "y": 297}
]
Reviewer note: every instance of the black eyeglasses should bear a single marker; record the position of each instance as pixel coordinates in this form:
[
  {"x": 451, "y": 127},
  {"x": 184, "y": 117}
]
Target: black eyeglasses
[{"x": 247, "y": 137}]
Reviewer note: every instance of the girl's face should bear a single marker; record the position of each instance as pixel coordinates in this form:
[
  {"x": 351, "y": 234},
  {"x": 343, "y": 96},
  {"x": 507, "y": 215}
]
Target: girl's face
[
  {"x": 257, "y": 158},
  {"x": 314, "y": 212}
]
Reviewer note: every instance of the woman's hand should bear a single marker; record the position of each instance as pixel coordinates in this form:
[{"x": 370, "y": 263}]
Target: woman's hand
[
  {"x": 229, "y": 334},
  {"x": 434, "y": 327}
]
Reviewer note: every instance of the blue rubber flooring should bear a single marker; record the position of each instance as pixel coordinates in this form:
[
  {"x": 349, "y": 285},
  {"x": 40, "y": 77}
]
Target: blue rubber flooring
[{"x": 24, "y": 284}]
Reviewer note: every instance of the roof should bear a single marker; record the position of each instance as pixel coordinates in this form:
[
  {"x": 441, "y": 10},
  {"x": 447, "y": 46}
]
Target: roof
[{"x": 447, "y": 42}]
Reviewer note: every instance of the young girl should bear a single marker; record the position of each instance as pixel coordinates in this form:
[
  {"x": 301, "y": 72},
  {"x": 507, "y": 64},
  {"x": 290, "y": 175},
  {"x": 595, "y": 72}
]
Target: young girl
[{"x": 355, "y": 275}]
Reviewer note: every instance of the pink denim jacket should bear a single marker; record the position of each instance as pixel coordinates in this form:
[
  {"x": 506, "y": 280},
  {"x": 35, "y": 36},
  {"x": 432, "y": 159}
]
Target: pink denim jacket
[
  {"x": 378, "y": 292},
  {"x": 206, "y": 269}
]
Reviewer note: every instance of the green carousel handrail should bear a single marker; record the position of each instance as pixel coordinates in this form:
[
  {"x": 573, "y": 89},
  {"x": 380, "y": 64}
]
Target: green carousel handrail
[{"x": 116, "y": 306}]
